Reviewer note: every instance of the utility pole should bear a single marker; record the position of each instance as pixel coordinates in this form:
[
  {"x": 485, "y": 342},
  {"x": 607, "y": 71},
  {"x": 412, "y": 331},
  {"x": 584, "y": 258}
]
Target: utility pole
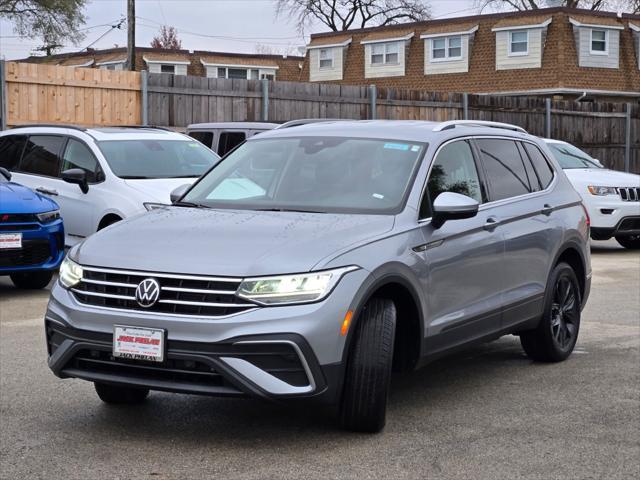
[{"x": 131, "y": 35}]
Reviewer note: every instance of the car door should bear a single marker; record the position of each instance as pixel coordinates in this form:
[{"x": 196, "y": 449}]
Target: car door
[
  {"x": 464, "y": 258},
  {"x": 39, "y": 165},
  {"x": 526, "y": 221},
  {"x": 79, "y": 207}
]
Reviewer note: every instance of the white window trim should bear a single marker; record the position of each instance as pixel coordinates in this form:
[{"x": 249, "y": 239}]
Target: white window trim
[
  {"x": 446, "y": 58},
  {"x": 332, "y": 55},
  {"x": 510, "y": 42},
  {"x": 385, "y": 53},
  {"x": 165, "y": 62},
  {"x": 606, "y": 42}
]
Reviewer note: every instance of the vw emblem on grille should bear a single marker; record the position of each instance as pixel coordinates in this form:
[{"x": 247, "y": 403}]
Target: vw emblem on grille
[{"x": 147, "y": 292}]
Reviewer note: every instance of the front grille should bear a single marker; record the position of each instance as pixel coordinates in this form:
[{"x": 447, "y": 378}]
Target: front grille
[
  {"x": 33, "y": 252},
  {"x": 179, "y": 294},
  {"x": 18, "y": 218},
  {"x": 20, "y": 227},
  {"x": 629, "y": 194},
  {"x": 629, "y": 224}
]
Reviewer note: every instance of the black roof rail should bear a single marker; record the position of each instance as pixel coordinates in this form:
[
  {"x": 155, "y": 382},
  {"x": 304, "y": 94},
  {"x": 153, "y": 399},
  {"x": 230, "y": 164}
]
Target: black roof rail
[
  {"x": 156, "y": 127},
  {"x": 57, "y": 125},
  {"x": 305, "y": 121}
]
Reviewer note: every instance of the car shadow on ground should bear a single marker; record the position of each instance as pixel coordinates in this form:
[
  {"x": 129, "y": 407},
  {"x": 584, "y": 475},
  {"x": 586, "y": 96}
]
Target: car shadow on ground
[{"x": 249, "y": 422}]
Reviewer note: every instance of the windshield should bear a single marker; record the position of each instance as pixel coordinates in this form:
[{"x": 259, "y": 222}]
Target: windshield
[
  {"x": 317, "y": 174},
  {"x": 569, "y": 156},
  {"x": 157, "y": 158}
]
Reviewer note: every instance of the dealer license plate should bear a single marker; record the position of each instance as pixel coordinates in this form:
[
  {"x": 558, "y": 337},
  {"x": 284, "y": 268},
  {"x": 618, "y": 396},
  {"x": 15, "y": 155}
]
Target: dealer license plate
[
  {"x": 10, "y": 240},
  {"x": 138, "y": 343}
]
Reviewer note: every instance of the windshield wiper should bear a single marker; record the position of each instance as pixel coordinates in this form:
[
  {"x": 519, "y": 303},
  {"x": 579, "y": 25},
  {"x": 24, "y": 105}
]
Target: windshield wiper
[
  {"x": 189, "y": 204},
  {"x": 275, "y": 209},
  {"x": 134, "y": 177}
]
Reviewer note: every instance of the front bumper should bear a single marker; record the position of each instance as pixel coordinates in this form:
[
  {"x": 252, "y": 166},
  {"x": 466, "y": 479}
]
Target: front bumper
[
  {"x": 612, "y": 216},
  {"x": 271, "y": 352},
  {"x": 42, "y": 248}
]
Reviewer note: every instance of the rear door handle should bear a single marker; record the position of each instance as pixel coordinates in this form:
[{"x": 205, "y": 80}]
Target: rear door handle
[
  {"x": 46, "y": 191},
  {"x": 491, "y": 224},
  {"x": 547, "y": 209}
]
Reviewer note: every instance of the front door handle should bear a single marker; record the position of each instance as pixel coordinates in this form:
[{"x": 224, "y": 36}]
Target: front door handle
[
  {"x": 491, "y": 224},
  {"x": 46, "y": 191},
  {"x": 547, "y": 209}
]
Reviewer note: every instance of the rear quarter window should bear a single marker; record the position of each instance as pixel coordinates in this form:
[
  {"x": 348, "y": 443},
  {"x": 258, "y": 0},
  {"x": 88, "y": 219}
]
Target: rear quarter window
[
  {"x": 540, "y": 164},
  {"x": 206, "y": 138},
  {"x": 11, "y": 147}
]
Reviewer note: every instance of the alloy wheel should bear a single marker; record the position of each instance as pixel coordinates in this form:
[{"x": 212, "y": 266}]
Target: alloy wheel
[{"x": 564, "y": 313}]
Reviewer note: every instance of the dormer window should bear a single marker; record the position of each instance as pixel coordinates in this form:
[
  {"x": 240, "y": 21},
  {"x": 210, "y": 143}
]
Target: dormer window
[
  {"x": 385, "y": 53},
  {"x": 168, "y": 69},
  {"x": 325, "y": 58},
  {"x": 447, "y": 48},
  {"x": 599, "y": 42},
  {"x": 519, "y": 42}
]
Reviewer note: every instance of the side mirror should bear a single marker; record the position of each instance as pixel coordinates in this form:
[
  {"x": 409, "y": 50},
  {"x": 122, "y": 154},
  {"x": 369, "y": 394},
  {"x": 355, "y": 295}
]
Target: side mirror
[
  {"x": 452, "y": 206},
  {"x": 77, "y": 176},
  {"x": 5, "y": 173},
  {"x": 179, "y": 192}
]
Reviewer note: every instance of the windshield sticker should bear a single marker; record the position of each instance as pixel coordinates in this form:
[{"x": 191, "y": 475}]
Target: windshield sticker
[
  {"x": 377, "y": 195},
  {"x": 193, "y": 145},
  {"x": 397, "y": 146},
  {"x": 415, "y": 148}
]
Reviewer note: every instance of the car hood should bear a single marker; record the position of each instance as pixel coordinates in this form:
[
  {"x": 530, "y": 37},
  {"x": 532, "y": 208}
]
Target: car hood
[
  {"x": 602, "y": 177},
  {"x": 227, "y": 242},
  {"x": 16, "y": 198},
  {"x": 158, "y": 189}
]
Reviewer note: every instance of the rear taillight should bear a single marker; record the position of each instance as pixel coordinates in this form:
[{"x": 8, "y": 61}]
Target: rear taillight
[{"x": 586, "y": 214}]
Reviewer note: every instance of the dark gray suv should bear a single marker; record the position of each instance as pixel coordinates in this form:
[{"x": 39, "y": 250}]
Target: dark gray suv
[{"x": 313, "y": 261}]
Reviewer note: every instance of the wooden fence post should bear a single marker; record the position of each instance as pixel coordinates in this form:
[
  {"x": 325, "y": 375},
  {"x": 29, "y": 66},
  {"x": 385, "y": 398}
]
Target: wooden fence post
[
  {"x": 465, "y": 106},
  {"x": 547, "y": 117},
  {"x": 144, "y": 86},
  {"x": 3, "y": 96},
  {"x": 264, "y": 114},
  {"x": 373, "y": 97},
  {"x": 627, "y": 139}
]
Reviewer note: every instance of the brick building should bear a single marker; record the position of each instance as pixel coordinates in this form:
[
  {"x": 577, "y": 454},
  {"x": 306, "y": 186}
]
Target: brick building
[
  {"x": 185, "y": 62},
  {"x": 556, "y": 51}
]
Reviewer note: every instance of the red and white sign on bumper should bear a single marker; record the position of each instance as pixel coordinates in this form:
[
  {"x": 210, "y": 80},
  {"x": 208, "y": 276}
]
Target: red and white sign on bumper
[{"x": 138, "y": 343}]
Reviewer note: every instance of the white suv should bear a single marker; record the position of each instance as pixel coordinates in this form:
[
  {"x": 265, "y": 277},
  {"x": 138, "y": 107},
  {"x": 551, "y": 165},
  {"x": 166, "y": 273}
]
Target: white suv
[
  {"x": 99, "y": 176},
  {"x": 612, "y": 198}
]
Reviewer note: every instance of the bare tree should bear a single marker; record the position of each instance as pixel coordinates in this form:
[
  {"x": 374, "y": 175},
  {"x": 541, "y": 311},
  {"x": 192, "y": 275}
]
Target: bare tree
[
  {"x": 167, "y": 39},
  {"x": 54, "y": 21},
  {"x": 345, "y": 14},
  {"x": 632, "y": 6},
  {"x": 262, "y": 49}
]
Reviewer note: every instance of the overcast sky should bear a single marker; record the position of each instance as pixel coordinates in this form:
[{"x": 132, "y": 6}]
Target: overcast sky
[{"x": 219, "y": 25}]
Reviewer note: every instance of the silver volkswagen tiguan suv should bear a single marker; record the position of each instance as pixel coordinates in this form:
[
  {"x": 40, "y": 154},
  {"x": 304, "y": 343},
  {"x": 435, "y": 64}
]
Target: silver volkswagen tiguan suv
[{"x": 313, "y": 261}]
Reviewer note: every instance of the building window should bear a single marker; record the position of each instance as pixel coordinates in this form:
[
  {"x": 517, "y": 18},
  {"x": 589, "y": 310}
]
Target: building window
[
  {"x": 245, "y": 73},
  {"x": 385, "y": 53},
  {"x": 108, "y": 67},
  {"x": 326, "y": 58},
  {"x": 267, "y": 76},
  {"x": 519, "y": 43},
  {"x": 448, "y": 48},
  {"x": 168, "y": 69},
  {"x": 599, "y": 42}
]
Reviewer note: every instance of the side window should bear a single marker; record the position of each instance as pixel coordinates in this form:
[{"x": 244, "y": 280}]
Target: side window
[
  {"x": 504, "y": 168},
  {"x": 205, "y": 138},
  {"x": 542, "y": 167},
  {"x": 11, "y": 147},
  {"x": 228, "y": 141},
  {"x": 532, "y": 176},
  {"x": 42, "y": 155},
  {"x": 78, "y": 155},
  {"x": 454, "y": 170}
]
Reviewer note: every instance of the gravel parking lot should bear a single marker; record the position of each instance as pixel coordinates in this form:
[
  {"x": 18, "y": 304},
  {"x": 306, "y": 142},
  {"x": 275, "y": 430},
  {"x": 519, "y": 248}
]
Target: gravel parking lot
[{"x": 486, "y": 413}]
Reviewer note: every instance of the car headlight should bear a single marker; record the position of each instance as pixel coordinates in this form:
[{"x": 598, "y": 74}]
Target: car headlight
[
  {"x": 596, "y": 190},
  {"x": 70, "y": 273},
  {"x": 154, "y": 206},
  {"x": 48, "y": 217},
  {"x": 299, "y": 288}
]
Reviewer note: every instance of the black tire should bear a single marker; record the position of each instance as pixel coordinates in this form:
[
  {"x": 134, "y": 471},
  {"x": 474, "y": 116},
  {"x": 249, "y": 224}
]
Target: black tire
[
  {"x": 557, "y": 333},
  {"x": 120, "y": 395},
  {"x": 632, "y": 242},
  {"x": 32, "y": 280},
  {"x": 366, "y": 388}
]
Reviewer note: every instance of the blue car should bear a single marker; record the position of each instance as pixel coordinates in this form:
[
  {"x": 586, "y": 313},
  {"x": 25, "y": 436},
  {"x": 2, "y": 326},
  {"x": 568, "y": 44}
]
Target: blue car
[{"x": 31, "y": 235}]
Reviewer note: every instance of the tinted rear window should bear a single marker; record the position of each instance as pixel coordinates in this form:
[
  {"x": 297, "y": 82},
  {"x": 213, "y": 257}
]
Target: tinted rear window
[
  {"x": 543, "y": 169},
  {"x": 505, "y": 169},
  {"x": 42, "y": 155},
  {"x": 229, "y": 141},
  {"x": 11, "y": 147},
  {"x": 205, "y": 138}
]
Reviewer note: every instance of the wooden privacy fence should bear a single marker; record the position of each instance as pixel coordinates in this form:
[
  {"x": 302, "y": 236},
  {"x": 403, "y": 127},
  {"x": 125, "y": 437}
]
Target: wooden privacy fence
[
  {"x": 48, "y": 94},
  {"x": 40, "y": 93}
]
